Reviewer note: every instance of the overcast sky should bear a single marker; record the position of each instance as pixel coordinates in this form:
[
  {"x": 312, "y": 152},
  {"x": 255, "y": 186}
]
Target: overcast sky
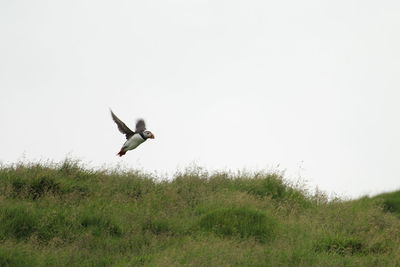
[{"x": 310, "y": 86}]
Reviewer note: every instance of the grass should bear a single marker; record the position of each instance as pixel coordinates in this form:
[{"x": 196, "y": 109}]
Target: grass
[
  {"x": 66, "y": 215},
  {"x": 241, "y": 222}
]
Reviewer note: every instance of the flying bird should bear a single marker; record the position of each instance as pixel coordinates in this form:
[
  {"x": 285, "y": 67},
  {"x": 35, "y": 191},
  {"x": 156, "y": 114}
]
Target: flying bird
[{"x": 133, "y": 138}]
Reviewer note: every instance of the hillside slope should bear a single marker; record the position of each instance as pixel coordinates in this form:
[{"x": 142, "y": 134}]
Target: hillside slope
[{"x": 65, "y": 215}]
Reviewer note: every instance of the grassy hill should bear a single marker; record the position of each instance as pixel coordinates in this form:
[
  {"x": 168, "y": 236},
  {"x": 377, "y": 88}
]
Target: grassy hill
[{"x": 65, "y": 215}]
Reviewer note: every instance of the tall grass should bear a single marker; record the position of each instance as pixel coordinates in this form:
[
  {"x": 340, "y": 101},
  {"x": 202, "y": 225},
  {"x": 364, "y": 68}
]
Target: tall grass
[{"x": 66, "y": 215}]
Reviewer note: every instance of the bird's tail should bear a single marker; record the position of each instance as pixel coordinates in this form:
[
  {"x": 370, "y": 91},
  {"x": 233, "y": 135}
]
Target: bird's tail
[{"x": 121, "y": 153}]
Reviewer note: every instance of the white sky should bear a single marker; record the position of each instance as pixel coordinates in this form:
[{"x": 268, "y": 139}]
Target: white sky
[{"x": 310, "y": 85}]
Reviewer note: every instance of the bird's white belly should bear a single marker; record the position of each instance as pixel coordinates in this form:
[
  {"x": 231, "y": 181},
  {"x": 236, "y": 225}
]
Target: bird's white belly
[{"x": 133, "y": 142}]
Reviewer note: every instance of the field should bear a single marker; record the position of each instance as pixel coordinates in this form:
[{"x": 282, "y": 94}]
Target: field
[{"x": 66, "y": 215}]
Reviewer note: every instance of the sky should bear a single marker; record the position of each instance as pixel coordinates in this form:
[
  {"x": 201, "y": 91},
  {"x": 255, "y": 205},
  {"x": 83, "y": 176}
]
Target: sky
[{"x": 307, "y": 87}]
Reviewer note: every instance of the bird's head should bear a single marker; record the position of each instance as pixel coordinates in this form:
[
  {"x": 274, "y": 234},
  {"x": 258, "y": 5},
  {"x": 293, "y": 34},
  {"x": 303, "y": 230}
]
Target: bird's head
[{"x": 148, "y": 134}]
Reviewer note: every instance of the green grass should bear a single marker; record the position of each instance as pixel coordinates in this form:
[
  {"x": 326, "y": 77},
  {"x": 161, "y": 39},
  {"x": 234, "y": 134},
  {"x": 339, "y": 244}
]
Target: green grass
[
  {"x": 241, "y": 222},
  {"x": 66, "y": 215}
]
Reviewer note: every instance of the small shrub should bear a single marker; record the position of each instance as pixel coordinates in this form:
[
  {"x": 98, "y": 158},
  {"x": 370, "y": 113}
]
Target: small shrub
[{"x": 242, "y": 222}]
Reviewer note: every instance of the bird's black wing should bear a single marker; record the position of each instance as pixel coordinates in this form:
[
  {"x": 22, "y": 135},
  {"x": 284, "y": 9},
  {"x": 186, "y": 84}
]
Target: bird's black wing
[
  {"x": 121, "y": 126},
  {"x": 140, "y": 126}
]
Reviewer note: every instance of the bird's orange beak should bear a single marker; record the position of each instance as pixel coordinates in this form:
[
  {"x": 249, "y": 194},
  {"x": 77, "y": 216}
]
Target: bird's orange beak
[{"x": 152, "y": 136}]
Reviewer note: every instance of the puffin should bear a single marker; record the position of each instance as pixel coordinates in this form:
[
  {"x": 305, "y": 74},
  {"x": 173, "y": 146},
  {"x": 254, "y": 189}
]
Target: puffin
[{"x": 133, "y": 138}]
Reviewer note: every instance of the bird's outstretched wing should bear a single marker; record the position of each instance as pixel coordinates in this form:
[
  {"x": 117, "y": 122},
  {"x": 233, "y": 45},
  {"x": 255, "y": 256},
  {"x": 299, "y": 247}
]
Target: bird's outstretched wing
[
  {"x": 121, "y": 126},
  {"x": 140, "y": 126}
]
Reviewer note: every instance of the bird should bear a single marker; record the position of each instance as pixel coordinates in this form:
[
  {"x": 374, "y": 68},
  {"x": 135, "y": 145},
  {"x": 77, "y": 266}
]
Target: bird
[{"x": 133, "y": 138}]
